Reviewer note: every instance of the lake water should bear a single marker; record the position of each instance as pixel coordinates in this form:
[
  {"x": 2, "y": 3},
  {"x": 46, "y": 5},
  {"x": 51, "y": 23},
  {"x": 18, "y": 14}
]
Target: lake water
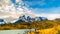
[{"x": 22, "y": 31}]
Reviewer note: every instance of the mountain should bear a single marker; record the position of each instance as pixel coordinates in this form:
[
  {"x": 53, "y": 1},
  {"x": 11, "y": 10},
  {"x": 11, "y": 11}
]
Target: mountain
[
  {"x": 10, "y": 19},
  {"x": 40, "y": 18},
  {"x": 24, "y": 18},
  {"x": 30, "y": 19},
  {"x": 2, "y": 21}
]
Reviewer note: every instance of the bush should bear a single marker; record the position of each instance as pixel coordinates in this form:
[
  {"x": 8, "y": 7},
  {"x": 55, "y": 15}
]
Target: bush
[{"x": 58, "y": 32}]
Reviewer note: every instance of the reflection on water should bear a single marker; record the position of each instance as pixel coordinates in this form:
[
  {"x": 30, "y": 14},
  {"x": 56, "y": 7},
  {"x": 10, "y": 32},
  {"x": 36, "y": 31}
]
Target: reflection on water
[{"x": 22, "y": 31}]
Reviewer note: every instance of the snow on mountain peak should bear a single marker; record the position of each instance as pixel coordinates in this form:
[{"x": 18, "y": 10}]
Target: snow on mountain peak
[{"x": 8, "y": 9}]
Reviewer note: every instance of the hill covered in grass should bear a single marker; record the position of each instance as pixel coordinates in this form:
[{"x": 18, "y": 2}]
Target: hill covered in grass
[{"x": 30, "y": 25}]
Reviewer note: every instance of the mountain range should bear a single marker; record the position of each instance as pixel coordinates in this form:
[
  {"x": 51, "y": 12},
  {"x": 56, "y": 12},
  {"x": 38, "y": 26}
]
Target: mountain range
[
  {"x": 25, "y": 18},
  {"x": 2, "y": 21},
  {"x": 30, "y": 19}
]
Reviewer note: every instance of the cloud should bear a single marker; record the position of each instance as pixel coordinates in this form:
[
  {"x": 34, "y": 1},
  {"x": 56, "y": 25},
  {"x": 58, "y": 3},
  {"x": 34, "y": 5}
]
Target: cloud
[
  {"x": 10, "y": 19},
  {"x": 50, "y": 13},
  {"x": 49, "y": 16},
  {"x": 18, "y": 1},
  {"x": 9, "y": 12},
  {"x": 35, "y": 2},
  {"x": 53, "y": 10}
]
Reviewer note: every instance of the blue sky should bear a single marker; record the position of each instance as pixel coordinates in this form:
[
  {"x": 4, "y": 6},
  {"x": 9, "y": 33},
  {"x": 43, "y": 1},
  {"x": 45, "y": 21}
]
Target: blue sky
[
  {"x": 42, "y": 3},
  {"x": 42, "y": 6}
]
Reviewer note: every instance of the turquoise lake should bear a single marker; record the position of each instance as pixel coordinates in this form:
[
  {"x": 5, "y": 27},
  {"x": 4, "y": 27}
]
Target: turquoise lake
[{"x": 22, "y": 31}]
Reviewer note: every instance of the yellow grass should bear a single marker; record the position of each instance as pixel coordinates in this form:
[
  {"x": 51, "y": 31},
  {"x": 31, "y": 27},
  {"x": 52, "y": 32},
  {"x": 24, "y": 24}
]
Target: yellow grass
[
  {"x": 53, "y": 30},
  {"x": 58, "y": 27}
]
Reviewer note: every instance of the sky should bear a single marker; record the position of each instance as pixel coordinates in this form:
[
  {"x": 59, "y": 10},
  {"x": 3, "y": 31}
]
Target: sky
[
  {"x": 15, "y": 8},
  {"x": 46, "y": 8},
  {"x": 42, "y": 6}
]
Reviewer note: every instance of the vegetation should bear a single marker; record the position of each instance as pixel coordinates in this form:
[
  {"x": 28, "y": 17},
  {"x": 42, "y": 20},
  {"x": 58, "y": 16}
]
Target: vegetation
[
  {"x": 30, "y": 25},
  {"x": 58, "y": 32}
]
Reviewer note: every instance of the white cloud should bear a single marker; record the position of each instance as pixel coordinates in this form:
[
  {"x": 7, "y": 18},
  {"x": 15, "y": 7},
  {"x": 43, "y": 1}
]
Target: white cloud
[
  {"x": 52, "y": 10},
  {"x": 50, "y": 13},
  {"x": 49, "y": 16},
  {"x": 10, "y": 13},
  {"x": 18, "y": 1},
  {"x": 35, "y": 2},
  {"x": 55, "y": 10}
]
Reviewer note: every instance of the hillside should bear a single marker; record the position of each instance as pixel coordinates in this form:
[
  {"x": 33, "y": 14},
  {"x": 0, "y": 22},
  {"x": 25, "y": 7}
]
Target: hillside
[{"x": 30, "y": 25}]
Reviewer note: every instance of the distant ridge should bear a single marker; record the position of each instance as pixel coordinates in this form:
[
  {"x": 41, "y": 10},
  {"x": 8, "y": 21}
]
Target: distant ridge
[
  {"x": 2, "y": 21},
  {"x": 23, "y": 18}
]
